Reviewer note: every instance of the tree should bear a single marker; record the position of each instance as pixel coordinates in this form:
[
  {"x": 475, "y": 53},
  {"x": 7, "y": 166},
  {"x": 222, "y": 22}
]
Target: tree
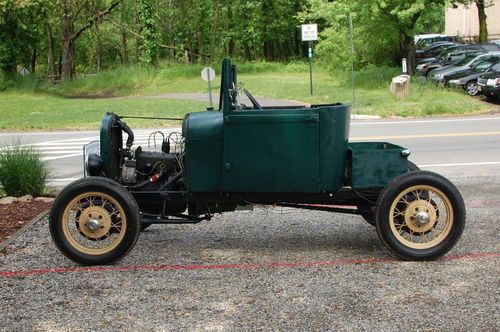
[
  {"x": 149, "y": 31},
  {"x": 70, "y": 10},
  {"x": 404, "y": 15},
  {"x": 19, "y": 22},
  {"x": 482, "y": 19}
]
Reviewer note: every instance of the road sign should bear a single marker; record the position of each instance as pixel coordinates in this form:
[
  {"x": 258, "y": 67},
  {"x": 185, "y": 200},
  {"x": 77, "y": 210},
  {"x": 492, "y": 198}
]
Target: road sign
[
  {"x": 208, "y": 74},
  {"x": 24, "y": 72},
  {"x": 309, "y": 32}
]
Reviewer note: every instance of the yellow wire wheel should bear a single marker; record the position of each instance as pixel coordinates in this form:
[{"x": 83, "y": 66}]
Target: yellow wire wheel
[
  {"x": 95, "y": 221},
  {"x": 417, "y": 221},
  {"x": 420, "y": 215}
]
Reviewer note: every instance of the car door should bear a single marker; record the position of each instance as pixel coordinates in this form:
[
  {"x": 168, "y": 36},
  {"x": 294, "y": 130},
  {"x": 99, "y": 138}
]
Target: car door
[{"x": 271, "y": 151}]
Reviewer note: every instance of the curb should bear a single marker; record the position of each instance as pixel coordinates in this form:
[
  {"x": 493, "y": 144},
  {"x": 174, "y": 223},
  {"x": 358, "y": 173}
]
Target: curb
[
  {"x": 364, "y": 117},
  {"x": 23, "y": 229}
]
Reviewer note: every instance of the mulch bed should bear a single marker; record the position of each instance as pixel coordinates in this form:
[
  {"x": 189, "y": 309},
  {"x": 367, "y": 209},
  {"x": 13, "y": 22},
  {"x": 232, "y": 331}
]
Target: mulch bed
[{"x": 16, "y": 215}]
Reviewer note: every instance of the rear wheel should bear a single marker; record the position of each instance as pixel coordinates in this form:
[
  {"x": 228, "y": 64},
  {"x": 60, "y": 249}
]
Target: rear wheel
[
  {"x": 420, "y": 216},
  {"x": 368, "y": 212},
  {"x": 95, "y": 221}
]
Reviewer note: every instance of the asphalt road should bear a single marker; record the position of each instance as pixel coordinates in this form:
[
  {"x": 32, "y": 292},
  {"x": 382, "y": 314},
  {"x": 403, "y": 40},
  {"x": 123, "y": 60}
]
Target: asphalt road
[{"x": 451, "y": 146}]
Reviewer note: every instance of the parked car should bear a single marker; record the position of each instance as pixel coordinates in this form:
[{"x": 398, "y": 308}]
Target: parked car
[
  {"x": 432, "y": 50},
  {"x": 489, "y": 85},
  {"x": 437, "y": 75},
  {"x": 238, "y": 156},
  {"x": 467, "y": 79},
  {"x": 426, "y": 68},
  {"x": 421, "y": 41},
  {"x": 458, "y": 52}
]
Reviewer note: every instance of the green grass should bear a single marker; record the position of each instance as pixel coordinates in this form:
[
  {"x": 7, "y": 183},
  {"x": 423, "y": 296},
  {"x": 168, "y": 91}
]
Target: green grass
[
  {"x": 24, "y": 111},
  {"x": 26, "y": 105},
  {"x": 166, "y": 77},
  {"x": 424, "y": 100}
]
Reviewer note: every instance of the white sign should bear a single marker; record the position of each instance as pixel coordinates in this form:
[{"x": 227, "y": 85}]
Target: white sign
[
  {"x": 309, "y": 32},
  {"x": 24, "y": 72},
  {"x": 208, "y": 74}
]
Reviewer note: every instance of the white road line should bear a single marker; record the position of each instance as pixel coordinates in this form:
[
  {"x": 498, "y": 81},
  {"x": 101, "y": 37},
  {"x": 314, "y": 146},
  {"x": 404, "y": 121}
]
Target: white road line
[
  {"x": 422, "y": 121},
  {"x": 61, "y": 157},
  {"x": 463, "y": 164}
]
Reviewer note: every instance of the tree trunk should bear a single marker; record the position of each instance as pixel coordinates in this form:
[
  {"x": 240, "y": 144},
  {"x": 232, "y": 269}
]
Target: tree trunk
[
  {"x": 247, "y": 53},
  {"x": 408, "y": 52},
  {"x": 9, "y": 61},
  {"x": 123, "y": 37},
  {"x": 68, "y": 47},
  {"x": 214, "y": 31},
  {"x": 98, "y": 47},
  {"x": 33, "y": 60},
  {"x": 51, "y": 58},
  {"x": 229, "y": 23},
  {"x": 483, "y": 26},
  {"x": 138, "y": 40},
  {"x": 124, "y": 48}
]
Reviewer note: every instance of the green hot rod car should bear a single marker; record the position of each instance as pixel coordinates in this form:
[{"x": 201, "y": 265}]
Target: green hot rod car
[{"x": 239, "y": 156}]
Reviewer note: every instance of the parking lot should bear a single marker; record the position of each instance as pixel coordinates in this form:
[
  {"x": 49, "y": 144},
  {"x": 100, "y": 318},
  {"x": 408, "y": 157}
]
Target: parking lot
[{"x": 271, "y": 268}]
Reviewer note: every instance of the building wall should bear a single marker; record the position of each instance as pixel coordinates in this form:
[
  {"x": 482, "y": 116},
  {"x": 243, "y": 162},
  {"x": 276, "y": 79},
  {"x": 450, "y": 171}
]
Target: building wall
[{"x": 463, "y": 21}]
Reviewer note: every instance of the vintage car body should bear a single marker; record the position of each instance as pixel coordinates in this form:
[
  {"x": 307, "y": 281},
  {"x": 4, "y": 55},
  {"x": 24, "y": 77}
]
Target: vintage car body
[{"x": 239, "y": 156}]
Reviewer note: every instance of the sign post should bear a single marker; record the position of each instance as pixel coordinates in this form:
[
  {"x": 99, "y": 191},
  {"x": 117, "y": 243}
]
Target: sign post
[
  {"x": 208, "y": 75},
  {"x": 310, "y": 34}
]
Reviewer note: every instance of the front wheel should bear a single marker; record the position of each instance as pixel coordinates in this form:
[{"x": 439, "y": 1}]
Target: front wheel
[
  {"x": 420, "y": 216},
  {"x": 471, "y": 88},
  {"x": 95, "y": 221}
]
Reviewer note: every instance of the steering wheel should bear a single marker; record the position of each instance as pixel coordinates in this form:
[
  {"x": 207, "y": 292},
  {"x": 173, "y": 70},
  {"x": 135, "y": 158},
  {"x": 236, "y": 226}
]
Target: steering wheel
[{"x": 252, "y": 99}]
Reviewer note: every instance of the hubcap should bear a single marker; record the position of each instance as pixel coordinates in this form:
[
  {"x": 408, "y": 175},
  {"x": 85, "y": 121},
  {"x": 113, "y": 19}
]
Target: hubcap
[
  {"x": 422, "y": 218},
  {"x": 472, "y": 89},
  {"x": 93, "y": 224}
]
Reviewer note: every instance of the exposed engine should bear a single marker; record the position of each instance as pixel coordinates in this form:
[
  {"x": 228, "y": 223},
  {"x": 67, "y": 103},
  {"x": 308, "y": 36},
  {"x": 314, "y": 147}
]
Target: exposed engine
[
  {"x": 142, "y": 167},
  {"x": 157, "y": 167}
]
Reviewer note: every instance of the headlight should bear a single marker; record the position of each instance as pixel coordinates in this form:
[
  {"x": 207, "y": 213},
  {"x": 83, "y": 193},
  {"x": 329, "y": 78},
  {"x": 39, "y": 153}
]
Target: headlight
[
  {"x": 88, "y": 149},
  {"x": 454, "y": 81},
  {"x": 439, "y": 76}
]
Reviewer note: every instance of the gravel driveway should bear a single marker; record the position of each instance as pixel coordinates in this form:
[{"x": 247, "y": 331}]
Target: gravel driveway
[{"x": 270, "y": 269}]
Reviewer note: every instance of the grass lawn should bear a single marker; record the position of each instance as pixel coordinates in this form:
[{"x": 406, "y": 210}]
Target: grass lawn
[
  {"x": 46, "y": 108},
  {"x": 41, "y": 111}
]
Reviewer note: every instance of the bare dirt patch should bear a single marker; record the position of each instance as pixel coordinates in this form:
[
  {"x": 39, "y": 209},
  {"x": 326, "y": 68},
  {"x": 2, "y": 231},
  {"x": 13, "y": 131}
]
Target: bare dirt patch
[{"x": 16, "y": 215}]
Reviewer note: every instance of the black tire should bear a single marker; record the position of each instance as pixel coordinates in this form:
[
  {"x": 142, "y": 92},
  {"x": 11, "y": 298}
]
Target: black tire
[
  {"x": 145, "y": 225},
  {"x": 398, "y": 220},
  {"x": 115, "y": 218},
  {"x": 471, "y": 88},
  {"x": 368, "y": 212},
  {"x": 492, "y": 99}
]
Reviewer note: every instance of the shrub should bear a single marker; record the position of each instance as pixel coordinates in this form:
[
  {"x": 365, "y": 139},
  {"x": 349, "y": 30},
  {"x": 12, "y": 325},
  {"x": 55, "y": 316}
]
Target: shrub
[{"x": 22, "y": 170}]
